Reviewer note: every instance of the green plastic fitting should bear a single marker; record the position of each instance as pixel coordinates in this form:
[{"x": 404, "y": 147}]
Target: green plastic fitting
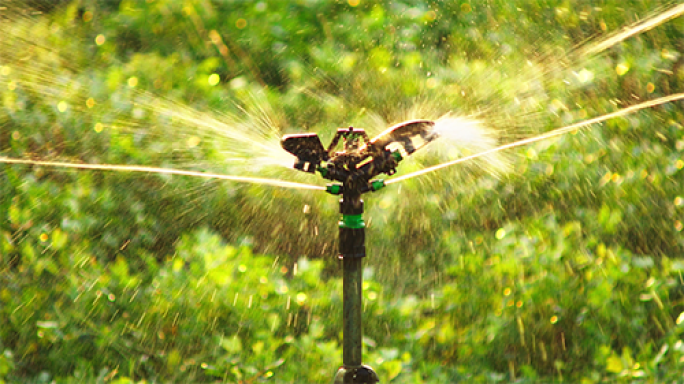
[
  {"x": 377, "y": 184},
  {"x": 334, "y": 189},
  {"x": 352, "y": 221}
]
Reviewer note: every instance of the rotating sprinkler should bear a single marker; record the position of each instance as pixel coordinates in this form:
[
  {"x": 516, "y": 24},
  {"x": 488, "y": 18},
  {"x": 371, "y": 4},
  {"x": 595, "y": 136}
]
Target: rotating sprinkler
[{"x": 353, "y": 160}]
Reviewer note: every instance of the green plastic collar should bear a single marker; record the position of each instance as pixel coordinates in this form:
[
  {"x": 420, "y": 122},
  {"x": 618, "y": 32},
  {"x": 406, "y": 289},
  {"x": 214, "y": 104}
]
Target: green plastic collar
[{"x": 352, "y": 221}]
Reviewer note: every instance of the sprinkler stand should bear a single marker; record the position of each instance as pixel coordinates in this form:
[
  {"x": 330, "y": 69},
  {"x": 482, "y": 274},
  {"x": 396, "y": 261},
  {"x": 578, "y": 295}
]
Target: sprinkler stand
[
  {"x": 355, "y": 167},
  {"x": 352, "y": 251}
]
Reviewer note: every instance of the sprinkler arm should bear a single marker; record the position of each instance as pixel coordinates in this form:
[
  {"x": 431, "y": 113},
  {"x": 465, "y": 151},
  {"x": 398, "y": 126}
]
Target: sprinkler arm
[{"x": 360, "y": 159}]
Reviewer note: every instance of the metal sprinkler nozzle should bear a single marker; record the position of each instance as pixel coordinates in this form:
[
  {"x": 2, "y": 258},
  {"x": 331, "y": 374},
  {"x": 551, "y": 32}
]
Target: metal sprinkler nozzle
[{"x": 360, "y": 158}]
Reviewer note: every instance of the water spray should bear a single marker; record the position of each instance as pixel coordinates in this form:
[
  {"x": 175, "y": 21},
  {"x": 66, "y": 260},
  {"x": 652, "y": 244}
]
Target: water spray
[{"x": 353, "y": 168}]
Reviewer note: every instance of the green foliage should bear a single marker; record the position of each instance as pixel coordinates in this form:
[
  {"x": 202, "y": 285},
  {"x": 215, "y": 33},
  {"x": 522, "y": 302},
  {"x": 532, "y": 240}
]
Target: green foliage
[{"x": 565, "y": 268}]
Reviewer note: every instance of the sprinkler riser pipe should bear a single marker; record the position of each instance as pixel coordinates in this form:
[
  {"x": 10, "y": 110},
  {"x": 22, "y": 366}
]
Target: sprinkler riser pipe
[
  {"x": 352, "y": 329},
  {"x": 352, "y": 243},
  {"x": 352, "y": 250}
]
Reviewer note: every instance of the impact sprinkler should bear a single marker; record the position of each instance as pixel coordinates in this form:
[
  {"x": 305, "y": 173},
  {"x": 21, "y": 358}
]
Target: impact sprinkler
[{"x": 353, "y": 168}]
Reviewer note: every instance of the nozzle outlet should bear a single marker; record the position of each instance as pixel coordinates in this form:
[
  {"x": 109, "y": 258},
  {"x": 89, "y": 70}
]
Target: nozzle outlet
[
  {"x": 377, "y": 184},
  {"x": 334, "y": 189}
]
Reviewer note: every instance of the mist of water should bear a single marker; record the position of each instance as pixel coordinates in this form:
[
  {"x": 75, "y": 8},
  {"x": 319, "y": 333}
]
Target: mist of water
[
  {"x": 247, "y": 141},
  {"x": 554, "y": 133}
]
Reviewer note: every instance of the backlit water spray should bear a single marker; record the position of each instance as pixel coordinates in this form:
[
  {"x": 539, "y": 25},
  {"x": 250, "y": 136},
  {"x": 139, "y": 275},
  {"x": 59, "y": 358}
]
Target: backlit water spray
[
  {"x": 554, "y": 133},
  {"x": 164, "y": 171},
  {"x": 241, "y": 139},
  {"x": 246, "y": 141}
]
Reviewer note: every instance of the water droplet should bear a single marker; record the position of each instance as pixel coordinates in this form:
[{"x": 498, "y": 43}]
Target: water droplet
[
  {"x": 260, "y": 6},
  {"x": 193, "y": 141},
  {"x": 585, "y": 76},
  {"x": 665, "y": 54},
  {"x": 680, "y": 318},
  {"x": 622, "y": 68},
  {"x": 138, "y": 113},
  {"x": 214, "y": 79},
  {"x": 238, "y": 83}
]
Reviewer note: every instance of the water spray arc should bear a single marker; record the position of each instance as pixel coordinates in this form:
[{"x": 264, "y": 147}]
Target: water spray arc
[{"x": 353, "y": 168}]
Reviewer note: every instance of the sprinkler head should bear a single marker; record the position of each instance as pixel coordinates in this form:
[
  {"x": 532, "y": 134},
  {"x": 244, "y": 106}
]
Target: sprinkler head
[{"x": 358, "y": 159}]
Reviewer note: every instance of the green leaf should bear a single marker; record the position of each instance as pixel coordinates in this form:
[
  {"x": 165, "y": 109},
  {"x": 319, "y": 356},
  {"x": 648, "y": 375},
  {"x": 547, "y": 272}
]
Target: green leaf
[
  {"x": 392, "y": 369},
  {"x": 614, "y": 364},
  {"x": 231, "y": 344}
]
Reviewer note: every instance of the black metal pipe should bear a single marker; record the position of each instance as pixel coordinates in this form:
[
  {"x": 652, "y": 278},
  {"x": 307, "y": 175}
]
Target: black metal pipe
[
  {"x": 352, "y": 307},
  {"x": 352, "y": 246}
]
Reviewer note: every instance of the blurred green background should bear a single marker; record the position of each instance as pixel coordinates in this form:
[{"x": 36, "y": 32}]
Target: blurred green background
[{"x": 565, "y": 265}]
